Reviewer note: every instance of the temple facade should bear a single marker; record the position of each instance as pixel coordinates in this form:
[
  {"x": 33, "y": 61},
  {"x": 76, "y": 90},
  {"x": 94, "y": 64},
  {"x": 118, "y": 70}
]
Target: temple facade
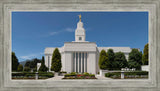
[{"x": 81, "y": 55}]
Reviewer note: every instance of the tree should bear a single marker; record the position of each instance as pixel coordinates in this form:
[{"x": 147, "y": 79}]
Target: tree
[
  {"x": 43, "y": 67},
  {"x": 27, "y": 64},
  {"x": 103, "y": 60},
  {"x": 20, "y": 67},
  {"x": 32, "y": 63},
  {"x": 56, "y": 61},
  {"x": 27, "y": 69},
  {"x": 111, "y": 56},
  {"x": 15, "y": 62},
  {"x": 120, "y": 60},
  {"x": 133, "y": 64},
  {"x": 145, "y": 55},
  {"x": 135, "y": 59}
]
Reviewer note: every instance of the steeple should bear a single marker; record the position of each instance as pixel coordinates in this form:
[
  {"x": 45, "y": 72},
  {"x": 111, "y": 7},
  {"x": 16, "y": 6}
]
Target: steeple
[
  {"x": 80, "y": 34},
  {"x": 79, "y": 17}
]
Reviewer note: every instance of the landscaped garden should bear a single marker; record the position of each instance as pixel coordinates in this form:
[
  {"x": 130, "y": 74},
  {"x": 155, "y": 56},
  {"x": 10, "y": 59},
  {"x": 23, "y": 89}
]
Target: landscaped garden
[
  {"x": 32, "y": 75},
  {"x": 75, "y": 75},
  {"x": 128, "y": 75}
]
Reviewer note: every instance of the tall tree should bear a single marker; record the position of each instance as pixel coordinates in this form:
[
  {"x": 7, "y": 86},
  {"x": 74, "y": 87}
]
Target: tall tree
[
  {"x": 43, "y": 67},
  {"x": 135, "y": 59},
  {"x": 32, "y": 63},
  {"x": 20, "y": 67},
  {"x": 15, "y": 62},
  {"x": 103, "y": 60},
  {"x": 27, "y": 64},
  {"x": 120, "y": 60},
  {"x": 111, "y": 56},
  {"x": 145, "y": 55},
  {"x": 56, "y": 61}
]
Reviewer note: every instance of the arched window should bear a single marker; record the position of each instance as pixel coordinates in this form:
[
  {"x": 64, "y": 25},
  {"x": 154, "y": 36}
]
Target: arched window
[{"x": 80, "y": 38}]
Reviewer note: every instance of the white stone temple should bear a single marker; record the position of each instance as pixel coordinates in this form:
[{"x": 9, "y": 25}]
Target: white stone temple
[{"x": 81, "y": 55}]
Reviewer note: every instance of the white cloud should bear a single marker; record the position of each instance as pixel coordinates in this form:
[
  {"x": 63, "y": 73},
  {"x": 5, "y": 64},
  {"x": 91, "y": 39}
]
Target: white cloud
[
  {"x": 64, "y": 30},
  {"x": 69, "y": 30},
  {"x": 53, "y": 33},
  {"x": 30, "y": 56}
]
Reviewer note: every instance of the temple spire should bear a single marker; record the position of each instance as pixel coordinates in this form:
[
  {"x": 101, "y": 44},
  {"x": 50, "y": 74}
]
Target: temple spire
[{"x": 79, "y": 17}]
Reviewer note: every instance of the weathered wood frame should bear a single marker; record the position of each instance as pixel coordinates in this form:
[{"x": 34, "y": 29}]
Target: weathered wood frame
[{"x": 8, "y": 6}]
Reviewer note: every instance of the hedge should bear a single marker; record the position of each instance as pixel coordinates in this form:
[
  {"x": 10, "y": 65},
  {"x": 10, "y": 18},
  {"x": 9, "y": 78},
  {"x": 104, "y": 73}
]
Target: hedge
[
  {"x": 126, "y": 73},
  {"x": 27, "y": 74},
  {"x": 76, "y": 74}
]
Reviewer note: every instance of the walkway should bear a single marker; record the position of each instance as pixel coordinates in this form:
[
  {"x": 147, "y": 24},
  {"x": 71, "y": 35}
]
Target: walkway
[
  {"x": 97, "y": 76},
  {"x": 102, "y": 77},
  {"x": 56, "y": 78}
]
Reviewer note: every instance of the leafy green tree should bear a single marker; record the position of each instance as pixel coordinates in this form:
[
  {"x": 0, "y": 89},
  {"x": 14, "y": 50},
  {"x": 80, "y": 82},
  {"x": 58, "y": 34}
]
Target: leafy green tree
[
  {"x": 27, "y": 69},
  {"x": 103, "y": 60},
  {"x": 15, "y": 62},
  {"x": 111, "y": 56},
  {"x": 56, "y": 61},
  {"x": 34, "y": 62},
  {"x": 27, "y": 64},
  {"x": 135, "y": 59},
  {"x": 20, "y": 67},
  {"x": 145, "y": 55},
  {"x": 43, "y": 67},
  {"x": 134, "y": 64},
  {"x": 120, "y": 60}
]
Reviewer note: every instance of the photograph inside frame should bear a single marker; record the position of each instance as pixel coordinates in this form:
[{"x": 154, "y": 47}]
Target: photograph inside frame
[{"x": 80, "y": 45}]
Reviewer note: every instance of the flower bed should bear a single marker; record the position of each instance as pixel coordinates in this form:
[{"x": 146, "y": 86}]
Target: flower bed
[{"x": 74, "y": 75}]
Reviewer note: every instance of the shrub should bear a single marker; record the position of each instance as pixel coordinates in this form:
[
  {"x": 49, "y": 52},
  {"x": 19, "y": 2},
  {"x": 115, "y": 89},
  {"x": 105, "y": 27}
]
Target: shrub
[
  {"x": 74, "y": 75},
  {"x": 43, "y": 67},
  {"x": 86, "y": 74},
  {"x": 20, "y": 67},
  {"x": 32, "y": 74},
  {"x": 63, "y": 72},
  {"x": 15, "y": 62},
  {"x": 46, "y": 74},
  {"x": 126, "y": 73},
  {"x": 135, "y": 59},
  {"x": 27, "y": 69},
  {"x": 145, "y": 54},
  {"x": 56, "y": 61},
  {"x": 103, "y": 60}
]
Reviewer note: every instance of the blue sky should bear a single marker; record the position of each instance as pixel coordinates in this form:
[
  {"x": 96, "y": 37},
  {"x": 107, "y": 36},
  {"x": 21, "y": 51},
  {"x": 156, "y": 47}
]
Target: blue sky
[{"x": 32, "y": 32}]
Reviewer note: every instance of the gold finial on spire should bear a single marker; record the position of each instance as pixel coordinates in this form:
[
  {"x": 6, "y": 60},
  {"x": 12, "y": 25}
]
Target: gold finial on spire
[{"x": 79, "y": 17}]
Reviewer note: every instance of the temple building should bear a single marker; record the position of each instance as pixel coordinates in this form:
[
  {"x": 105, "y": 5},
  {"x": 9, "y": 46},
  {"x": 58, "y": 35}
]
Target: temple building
[{"x": 81, "y": 55}]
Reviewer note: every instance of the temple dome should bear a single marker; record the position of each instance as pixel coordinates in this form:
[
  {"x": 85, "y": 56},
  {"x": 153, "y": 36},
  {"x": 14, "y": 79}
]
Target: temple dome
[{"x": 80, "y": 30}]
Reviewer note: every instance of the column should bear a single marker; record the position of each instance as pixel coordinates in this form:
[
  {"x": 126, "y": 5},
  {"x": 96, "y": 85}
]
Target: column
[
  {"x": 122, "y": 74},
  {"x": 78, "y": 62},
  {"x": 84, "y": 62},
  {"x": 75, "y": 62},
  {"x": 49, "y": 63},
  {"x": 81, "y": 63}
]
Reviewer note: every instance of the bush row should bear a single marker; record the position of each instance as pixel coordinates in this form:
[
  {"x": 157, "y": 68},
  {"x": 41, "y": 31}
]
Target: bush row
[
  {"x": 27, "y": 74},
  {"x": 79, "y": 75},
  {"x": 126, "y": 73}
]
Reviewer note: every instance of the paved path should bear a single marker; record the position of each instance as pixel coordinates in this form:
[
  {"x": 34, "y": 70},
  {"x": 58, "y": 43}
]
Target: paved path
[
  {"x": 97, "y": 76},
  {"x": 56, "y": 78},
  {"x": 102, "y": 77}
]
